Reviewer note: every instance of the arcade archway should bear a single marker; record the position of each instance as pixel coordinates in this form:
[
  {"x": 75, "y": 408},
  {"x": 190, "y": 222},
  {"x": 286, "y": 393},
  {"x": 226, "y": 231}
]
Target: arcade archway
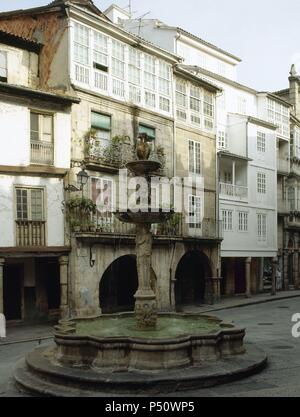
[
  {"x": 191, "y": 274},
  {"x": 119, "y": 284}
]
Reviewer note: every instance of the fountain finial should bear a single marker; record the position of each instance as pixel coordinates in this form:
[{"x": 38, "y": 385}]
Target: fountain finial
[{"x": 143, "y": 149}]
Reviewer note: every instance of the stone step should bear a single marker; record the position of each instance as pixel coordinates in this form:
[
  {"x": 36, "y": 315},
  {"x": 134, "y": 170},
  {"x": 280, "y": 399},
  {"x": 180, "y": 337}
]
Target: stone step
[{"x": 40, "y": 376}]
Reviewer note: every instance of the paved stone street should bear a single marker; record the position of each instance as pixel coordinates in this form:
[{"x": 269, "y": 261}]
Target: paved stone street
[{"x": 269, "y": 326}]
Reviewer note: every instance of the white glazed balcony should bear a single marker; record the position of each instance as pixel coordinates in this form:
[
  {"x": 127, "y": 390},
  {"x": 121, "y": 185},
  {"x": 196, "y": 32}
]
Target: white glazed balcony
[{"x": 233, "y": 192}]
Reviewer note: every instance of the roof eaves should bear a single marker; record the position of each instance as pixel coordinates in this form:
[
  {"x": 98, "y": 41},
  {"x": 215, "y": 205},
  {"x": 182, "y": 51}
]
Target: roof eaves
[
  {"x": 275, "y": 97},
  {"x": 30, "y": 92},
  {"x": 140, "y": 41},
  {"x": 19, "y": 41},
  {"x": 32, "y": 11},
  {"x": 191, "y": 35},
  {"x": 209, "y": 84},
  {"x": 221, "y": 78}
]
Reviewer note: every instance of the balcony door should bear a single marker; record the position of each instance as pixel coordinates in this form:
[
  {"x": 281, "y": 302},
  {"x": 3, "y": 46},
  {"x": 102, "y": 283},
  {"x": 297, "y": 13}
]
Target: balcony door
[
  {"x": 30, "y": 221},
  {"x": 195, "y": 216},
  {"x": 41, "y": 139}
]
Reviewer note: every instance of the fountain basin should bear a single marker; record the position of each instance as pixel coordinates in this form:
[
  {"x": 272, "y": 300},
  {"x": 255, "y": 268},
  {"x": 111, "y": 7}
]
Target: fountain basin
[
  {"x": 143, "y": 217},
  {"x": 143, "y": 167},
  {"x": 113, "y": 342}
]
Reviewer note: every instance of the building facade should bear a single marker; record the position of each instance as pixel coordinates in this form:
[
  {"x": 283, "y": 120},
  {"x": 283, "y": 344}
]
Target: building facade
[
  {"x": 249, "y": 127},
  {"x": 34, "y": 158},
  {"x": 125, "y": 86},
  {"x": 288, "y": 195}
]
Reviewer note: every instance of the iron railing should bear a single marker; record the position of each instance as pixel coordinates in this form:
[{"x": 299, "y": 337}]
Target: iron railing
[
  {"x": 207, "y": 229},
  {"x": 41, "y": 152}
]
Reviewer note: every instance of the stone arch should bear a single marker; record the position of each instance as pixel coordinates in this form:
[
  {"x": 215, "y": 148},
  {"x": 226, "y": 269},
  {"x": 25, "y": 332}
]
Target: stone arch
[
  {"x": 192, "y": 272},
  {"x": 119, "y": 284}
]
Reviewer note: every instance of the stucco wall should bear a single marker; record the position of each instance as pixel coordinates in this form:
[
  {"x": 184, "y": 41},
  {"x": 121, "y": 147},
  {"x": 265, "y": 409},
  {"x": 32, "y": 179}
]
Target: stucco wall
[
  {"x": 53, "y": 197},
  {"x": 17, "y": 135}
]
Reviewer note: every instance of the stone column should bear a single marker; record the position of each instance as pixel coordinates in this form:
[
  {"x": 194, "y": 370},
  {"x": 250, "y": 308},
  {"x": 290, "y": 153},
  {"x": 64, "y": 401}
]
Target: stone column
[
  {"x": 63, "y": 263},
  {"x": 296, "y": 270},
  {"x": 145, "y": 299},
  {"x": 248, "y": 277},
  {"x": 173, "y": 300},
  {"x": 2, "y": 262},
  {"x": 216, "y": 289},
  {"x": 274, "y": 272},
  {"x": 286, "y": 271},
  {"x": 261, "y": 275}
]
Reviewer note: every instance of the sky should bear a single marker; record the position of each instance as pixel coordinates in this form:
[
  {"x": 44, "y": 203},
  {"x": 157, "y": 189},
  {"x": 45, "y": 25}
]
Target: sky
[{"x": 265, "y": 34}]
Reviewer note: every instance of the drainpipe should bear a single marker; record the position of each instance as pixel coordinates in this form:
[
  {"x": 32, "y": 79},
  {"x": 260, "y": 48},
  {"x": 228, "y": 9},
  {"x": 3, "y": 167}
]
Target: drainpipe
[{"x": 174, "y": 128}]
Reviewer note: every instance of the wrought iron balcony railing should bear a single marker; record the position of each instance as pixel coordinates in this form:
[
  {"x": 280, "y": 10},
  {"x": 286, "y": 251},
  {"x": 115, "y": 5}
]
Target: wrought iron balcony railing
[
  {"x": 41, "y": 153},
  {"x": 207, "y": 229}
]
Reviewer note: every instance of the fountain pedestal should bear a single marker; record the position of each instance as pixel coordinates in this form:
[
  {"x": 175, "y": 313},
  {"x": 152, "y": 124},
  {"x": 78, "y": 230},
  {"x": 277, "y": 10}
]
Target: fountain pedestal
[{"x": 145, "y": 304}]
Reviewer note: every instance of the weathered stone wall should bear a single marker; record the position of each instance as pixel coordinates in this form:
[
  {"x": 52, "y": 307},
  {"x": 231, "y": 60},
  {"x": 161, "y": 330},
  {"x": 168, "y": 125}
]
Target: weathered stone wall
[
  {"x": 124, "y": 119},
  {"x": 165, "y": 260},
  {"x": 208, "y": 149}
]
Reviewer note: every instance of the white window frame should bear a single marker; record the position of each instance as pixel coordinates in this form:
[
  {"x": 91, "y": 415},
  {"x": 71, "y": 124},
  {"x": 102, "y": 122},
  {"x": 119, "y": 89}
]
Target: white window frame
[
  {"x": 41, "y": 117},
  {"x": 195, "y": 157},
  {"x": 296, "y": 143},
  {"x": 261, "y": 180},
  {"x": 3, "y": 67},
  {"x": 103, "y": 136},
  {"x": 29, "y": 202},
  {"x": 195, "y": 211},
  {"x": 261, "y": 142},
  {"x": 222, "y": 139},
  {"x": 124, "y": 77},
  {"x": 262, "y": 227},
  {"x": 278, "y": 114},
  {"x": 227, "y": 220},
  {"x": 243, "y": 219}
]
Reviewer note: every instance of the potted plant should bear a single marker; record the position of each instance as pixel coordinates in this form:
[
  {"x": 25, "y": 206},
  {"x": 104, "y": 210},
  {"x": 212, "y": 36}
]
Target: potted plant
[
  {"x": 92, "y": 227},
  {"x": 89, "y": 138},
  {"x": 173, "y": 223},
  {"x": 161, "y": 155},
  {"x": 76, "y": 226},
  {"x": 79, "y": 211}
]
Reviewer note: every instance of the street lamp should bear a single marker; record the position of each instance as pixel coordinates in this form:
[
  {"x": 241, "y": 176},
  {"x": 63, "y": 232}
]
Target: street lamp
[{"x": 82, "y": 179}]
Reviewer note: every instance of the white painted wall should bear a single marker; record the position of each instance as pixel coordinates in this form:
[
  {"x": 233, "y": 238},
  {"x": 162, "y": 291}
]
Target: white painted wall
[
  {"x": 198, "y": 54},
  {"x": 206, "y": 60},
  {"x": 148, "y": 29},
  {"x": 247, "y": 244},
  {"x": 116, "y": 14},
  {"x": 54, "y": 195},
  {"x": 15, "y": 136}
]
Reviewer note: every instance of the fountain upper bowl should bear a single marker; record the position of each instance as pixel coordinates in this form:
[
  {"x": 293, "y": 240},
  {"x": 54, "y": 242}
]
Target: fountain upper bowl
[
  {"x": 147, "y": 217},
  {"x": 143, "y": 167}
]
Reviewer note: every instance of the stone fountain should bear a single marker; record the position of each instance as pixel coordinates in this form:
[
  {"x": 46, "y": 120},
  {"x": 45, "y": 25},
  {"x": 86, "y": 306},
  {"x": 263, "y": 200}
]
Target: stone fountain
[
  {"x": 140, "y": 352},
  {"x": 145, "y": 304}
]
